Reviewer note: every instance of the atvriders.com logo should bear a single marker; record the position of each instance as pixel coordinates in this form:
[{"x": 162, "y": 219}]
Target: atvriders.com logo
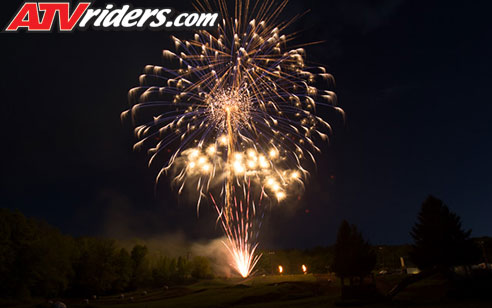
[{"x": 46, "y": 16}]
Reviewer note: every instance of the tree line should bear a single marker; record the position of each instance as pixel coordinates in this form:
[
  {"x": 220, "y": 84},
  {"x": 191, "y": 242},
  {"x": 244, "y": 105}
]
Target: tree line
[
  {"x": 36, "y": 260},
  {"x": 440, "y": 242},
  {"x": 441, "y": 245}
]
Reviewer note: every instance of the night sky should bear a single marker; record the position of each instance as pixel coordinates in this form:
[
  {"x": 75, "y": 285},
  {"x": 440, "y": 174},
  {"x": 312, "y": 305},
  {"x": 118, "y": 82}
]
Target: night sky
[{"x": 413, "y": 77}]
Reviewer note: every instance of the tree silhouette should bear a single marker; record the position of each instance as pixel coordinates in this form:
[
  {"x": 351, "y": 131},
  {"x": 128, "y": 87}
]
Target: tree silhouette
[
  {"x": 35, "y": 258},
  {"x": 440, "y": 241},
  {"x": 95, "y": 269},
  {"x": 124, "y": 270},
  {"x": 201, "y": 268},
  {"x": 141, "y": 269},
  {"x": 354, "y": 257}
]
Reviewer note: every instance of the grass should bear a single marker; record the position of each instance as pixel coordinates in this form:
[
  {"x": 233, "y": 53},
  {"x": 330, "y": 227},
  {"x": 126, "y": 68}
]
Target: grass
[
  {"x": 252, "y": 293},
  {"x": 275, "y": 291},
  {"x": 261, "y": 291}
]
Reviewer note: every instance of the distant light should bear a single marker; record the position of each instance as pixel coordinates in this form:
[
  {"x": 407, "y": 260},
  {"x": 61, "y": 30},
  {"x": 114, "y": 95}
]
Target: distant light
[
  {"x": 194, "y": 154},
  {"x": 280, "y": 269},
  {"x": 211, "y": 150},
  {"x": 252, "y": 153},
  {"x": 202, "y": 160},
  {"x": 304, "y": 269},
  {"x": 223, "y": 140},
  {"x": 206, "y": 167},
  {"x": 263, "y": 162},
  {"x": 295, "y": 175},
  {"x": 238, "y": 167},
  {"x": 280, "y": 195}
]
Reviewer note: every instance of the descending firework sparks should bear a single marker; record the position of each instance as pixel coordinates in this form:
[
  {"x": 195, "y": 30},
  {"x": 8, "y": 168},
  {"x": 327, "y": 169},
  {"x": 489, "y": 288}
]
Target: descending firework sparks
[{"x": 236, "y": 110}]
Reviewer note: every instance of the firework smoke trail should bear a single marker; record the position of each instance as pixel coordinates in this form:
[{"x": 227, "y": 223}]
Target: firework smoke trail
[{"x": 233, "y": 111}]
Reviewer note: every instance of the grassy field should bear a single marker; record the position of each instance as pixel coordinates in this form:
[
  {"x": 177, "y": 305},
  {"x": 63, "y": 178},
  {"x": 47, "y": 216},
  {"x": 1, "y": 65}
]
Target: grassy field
[
  {"x": 267, "y": 291},
  {"x": 274, "y": 291}
]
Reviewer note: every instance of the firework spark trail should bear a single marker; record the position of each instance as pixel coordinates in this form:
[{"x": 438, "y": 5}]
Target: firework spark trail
[
  {"x": 234, "y": 109},
  {"x": 241, "y": 228}
]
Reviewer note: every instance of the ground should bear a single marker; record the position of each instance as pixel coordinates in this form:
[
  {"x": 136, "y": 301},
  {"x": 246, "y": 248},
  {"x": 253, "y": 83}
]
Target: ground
[{"x": 273, "y": 291}]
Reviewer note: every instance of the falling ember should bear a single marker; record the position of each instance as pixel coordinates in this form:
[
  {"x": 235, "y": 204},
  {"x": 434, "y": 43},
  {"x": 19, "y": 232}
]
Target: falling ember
[{"x": 238, "y": 106}]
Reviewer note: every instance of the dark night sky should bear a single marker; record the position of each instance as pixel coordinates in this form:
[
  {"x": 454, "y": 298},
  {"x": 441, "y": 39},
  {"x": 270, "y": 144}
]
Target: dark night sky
[{"x": 414, "y": 78}]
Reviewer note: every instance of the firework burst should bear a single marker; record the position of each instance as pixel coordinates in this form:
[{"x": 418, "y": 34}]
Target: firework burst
[{"x": 233, "y": 110}]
